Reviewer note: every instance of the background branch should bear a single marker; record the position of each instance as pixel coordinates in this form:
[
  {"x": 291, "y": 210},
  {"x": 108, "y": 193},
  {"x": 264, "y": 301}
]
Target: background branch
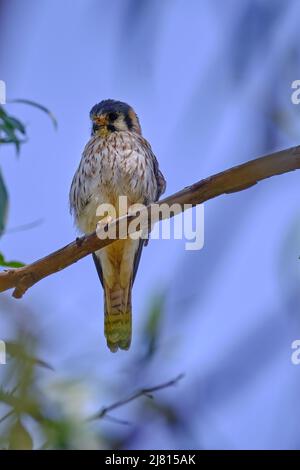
[
  {"x": 144, "y": 392},
  {"x": 235, "y": 179}
]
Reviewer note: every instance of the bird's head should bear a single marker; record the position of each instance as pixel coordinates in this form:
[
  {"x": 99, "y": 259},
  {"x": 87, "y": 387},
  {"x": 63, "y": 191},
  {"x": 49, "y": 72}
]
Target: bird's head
[{"x": 111, "y": 116}]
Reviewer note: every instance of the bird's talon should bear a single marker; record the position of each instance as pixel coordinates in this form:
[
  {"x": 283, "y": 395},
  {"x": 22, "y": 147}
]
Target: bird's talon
[{"x": 79, "y": 241}]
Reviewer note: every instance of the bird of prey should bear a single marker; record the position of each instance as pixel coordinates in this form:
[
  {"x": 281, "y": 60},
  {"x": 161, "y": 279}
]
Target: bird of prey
[{"x": 117, "y": 161}]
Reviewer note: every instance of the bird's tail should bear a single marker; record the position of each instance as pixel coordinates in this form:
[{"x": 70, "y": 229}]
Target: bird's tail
[{"x": 117, "y": 319}]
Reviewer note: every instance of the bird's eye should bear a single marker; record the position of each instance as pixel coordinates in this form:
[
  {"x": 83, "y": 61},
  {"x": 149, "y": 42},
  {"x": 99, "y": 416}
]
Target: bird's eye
[{"x": 112, "y": 116}]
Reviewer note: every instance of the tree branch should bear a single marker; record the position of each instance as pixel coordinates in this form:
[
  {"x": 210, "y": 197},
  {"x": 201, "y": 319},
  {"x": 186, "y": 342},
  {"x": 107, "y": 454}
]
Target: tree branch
[
  {"x": 145, "y": 392},
  {"x": 235, "y": 179}
]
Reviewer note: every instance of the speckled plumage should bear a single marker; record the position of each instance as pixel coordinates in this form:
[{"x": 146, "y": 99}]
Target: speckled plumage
[{"x": 115, "y": 163}]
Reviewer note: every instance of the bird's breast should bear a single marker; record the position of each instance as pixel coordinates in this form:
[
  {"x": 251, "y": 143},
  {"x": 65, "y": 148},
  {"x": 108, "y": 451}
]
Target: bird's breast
[
  {"x": 110, "y": 168},
  {"x": 123, "y": 169}
]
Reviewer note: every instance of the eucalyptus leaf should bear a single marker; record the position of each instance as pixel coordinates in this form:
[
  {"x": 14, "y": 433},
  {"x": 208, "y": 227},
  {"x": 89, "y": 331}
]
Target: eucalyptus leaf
[
  {"x": 14, "y": 124},
  {"x": 19, "y": 437},
  {"x": 152, "y": 328},
  {"x": 38, "y": 106},
  {"x": 17, "y": 350},
  {"x": 10, "y": 264},
  {"x": 3, "y": 204},
  {"x": 10, "y": 129}
]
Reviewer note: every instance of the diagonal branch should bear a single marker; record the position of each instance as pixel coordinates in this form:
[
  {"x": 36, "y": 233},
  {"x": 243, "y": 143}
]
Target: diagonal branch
[
  {"x": 145, "y": 392},
  {"x": 235, "y": 179}
]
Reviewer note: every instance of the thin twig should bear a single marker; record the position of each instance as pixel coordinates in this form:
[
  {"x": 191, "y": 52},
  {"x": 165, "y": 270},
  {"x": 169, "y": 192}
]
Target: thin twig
[
  {"x": 145, "y": 392},
  {"x": 235, "y": 179},
  {"x": 7, "y": 415},
  {"x": 24, "y": 227},
  {"x": 115, "y": 420}
]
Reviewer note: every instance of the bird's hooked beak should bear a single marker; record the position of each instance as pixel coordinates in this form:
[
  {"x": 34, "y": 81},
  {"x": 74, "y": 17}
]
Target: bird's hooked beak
[
  {"x": 100, "y": 120},
  {"x": 100, "y": 125}
]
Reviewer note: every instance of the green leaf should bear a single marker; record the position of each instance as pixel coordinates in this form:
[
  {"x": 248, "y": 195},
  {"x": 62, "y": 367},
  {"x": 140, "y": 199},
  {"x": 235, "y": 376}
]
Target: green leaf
[
  {"x": 11, "y": 138},
  {"x": 20, "y": 404},
  {"x": 14, "y": 124},
  {"x": 9, "y": 129},
  {"x": 10, "y": 264},
  {"x": 152, "y": 328},
  {"x": 18, "y": 351},
  {"x": 3, "y": 204},
  {"x": 11, "y": 122},
  {"x": 38, "y": 106},
  {"x": 19, "y": 437}
]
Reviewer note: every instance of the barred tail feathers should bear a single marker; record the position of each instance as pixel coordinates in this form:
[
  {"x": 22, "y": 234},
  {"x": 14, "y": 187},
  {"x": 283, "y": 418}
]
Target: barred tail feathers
[
  {"x": 116, "y": 266},
  {"x": 117, "y": 316}
]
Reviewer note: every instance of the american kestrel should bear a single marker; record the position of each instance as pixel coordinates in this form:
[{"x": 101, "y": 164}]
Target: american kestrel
[{"x": 117, "y": 161}]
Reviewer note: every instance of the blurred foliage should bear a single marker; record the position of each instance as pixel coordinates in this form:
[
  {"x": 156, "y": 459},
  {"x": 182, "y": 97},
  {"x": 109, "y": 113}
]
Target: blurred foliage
[
  {"x": 38, "y": 106},
  {"x": 3, "y": 204},
  {"x": 18, "y": 394},
  {"x": 13, "y": 132},
  {"x": 151, "y": 332},
  {"x": 24, "y": 402},
  {"x": 9, "y": 264},
  {"x": 41, "y": 410}
]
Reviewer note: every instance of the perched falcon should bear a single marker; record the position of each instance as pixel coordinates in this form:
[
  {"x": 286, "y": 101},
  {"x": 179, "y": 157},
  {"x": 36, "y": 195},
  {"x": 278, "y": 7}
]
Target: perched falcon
[{"x": 117, "y": 161}]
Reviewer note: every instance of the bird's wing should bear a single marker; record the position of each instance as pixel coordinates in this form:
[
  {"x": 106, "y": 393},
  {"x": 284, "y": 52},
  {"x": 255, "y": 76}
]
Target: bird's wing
[
  {"x": 137, "y": 258},
  {"x": 98, "y": 267},
  {"x": 161, "y": 187},
  {"x": 160, "y": 180},
  {"x": 82, "y": 187},
  {"x": 159, "y": 177}
]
